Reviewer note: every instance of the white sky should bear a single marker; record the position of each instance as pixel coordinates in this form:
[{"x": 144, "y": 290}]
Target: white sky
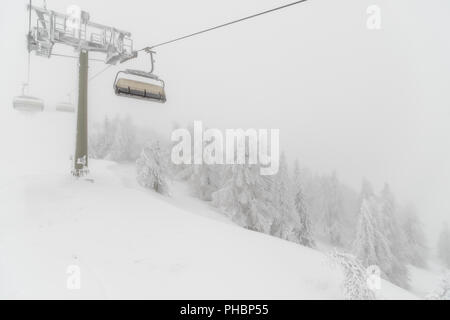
[{"x": 372, "y": 104}]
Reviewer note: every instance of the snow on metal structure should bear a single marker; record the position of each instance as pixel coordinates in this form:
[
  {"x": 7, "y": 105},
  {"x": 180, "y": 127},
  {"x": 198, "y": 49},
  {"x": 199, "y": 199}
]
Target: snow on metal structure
[{"x": 76, "y": 30}]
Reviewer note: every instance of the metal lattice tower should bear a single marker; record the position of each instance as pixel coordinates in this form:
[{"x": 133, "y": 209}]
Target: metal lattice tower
[{"x": 75, "y": 29}]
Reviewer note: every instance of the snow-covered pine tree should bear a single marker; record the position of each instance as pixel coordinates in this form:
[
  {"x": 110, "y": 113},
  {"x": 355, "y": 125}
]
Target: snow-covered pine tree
[
  {"x": 205, "y": 180},
  {"x": 371, "y": 246},
  {"x": 303, "y": 231},
  {"x": 355, "y": 277},
  {"x": 389, "y": 222},
  {"x": 379, "y": 239},
  {"x": 367, "y": 191},
  {"x": 367, "y": 234},
  {"x": 390, "y": 227},
  {"x": 443, "y": 291},
  {"x": 152, "y": 168},
  {"x": 444, "y": 246},
  {"x": 415, "y": 243},
  {"x": 283, "y": 201},
  {"x": 332, "y": 223},
  {"x": 246, "y": 197},
  {"x": 101, "y": 140},
  {"x": 124, "y": 146}
]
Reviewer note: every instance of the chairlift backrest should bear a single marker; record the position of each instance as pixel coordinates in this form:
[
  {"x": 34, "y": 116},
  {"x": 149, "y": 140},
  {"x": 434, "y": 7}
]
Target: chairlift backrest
[
  {"x": 140, "y": 87},
  {"x": 65, "y": 107},
  {"x": 28, "y": 103}
]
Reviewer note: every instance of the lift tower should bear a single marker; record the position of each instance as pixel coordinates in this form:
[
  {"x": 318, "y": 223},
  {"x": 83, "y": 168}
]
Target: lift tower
[{"x": 75, "y": 29}]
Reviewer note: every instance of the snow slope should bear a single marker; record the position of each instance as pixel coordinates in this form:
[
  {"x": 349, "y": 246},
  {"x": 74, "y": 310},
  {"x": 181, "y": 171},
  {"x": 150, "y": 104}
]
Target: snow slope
[
  {"x": 130, "y": 242},
  {"x": 425, "y": 281}
]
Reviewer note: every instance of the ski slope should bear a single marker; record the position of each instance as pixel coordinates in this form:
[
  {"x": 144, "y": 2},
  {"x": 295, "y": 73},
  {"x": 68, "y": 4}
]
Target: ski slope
[{"x": 129, "y": 242}]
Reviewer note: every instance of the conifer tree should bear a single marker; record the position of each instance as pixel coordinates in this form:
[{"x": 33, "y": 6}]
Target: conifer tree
[
  {"x": 444, "y": 246},
  {"x": 124, "y": 146},
  {"x": 152, "y": 168},
  {"x": 246, "y": 197},
  {"x": 390, "y": 227},
  {"x": 303, "y": 231},
  {"x": 355, "y": 277},
  {"x": 332, "y": 220},
  {"x": 415, "y": 243},
  {"x": 283, "y": 202}
]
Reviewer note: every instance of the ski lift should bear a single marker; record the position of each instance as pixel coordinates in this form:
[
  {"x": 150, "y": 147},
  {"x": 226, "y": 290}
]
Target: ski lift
[
  {"x": 140, "y": 84},
  {"x": 27, "y": 103},
  {"x": 65, "y": 106}
]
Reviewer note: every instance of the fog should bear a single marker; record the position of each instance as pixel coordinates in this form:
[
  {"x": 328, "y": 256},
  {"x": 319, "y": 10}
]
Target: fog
[{"x": 366, "y": 103}]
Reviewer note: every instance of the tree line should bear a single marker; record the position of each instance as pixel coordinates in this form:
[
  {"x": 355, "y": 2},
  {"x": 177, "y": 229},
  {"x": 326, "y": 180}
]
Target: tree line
[{"x": 295, "y": 204}]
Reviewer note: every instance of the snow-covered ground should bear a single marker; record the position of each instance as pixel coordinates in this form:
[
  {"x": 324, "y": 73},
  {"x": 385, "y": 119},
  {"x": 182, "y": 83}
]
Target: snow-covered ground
[
  {"x": 424, "y": 281},
  {"x": 130, "y": 242}
]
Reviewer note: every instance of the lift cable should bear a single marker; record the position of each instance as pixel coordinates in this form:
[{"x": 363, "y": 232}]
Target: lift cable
[
  {"x": 207, "y": 30},
  {"x": 90, "y": 59},
  {"x": 223, "y": 25},
  {"x": 100, "y": 72}
]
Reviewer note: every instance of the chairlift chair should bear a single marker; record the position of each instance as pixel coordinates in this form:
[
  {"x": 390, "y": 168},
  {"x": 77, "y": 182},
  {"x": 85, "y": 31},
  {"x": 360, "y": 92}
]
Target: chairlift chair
[
  {"x": 28, "y": 103},
  {"x": 140, "y": 84},
  {"x": 65, "y": 106}
]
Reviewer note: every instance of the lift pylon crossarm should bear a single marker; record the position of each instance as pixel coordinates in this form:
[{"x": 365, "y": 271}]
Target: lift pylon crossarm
[{"x": 50, "y": 28}]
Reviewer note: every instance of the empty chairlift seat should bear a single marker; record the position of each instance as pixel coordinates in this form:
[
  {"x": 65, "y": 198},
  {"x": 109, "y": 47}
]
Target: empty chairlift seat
[
  {"x": 28, "y": 104},
  {"x": 65, "y": 107},
  {"x": 140, "y": 85}
]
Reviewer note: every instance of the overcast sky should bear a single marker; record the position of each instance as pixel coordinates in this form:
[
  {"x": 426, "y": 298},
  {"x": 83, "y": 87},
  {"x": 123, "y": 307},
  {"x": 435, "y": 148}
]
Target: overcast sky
[{"x": 367, "y": 103}]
